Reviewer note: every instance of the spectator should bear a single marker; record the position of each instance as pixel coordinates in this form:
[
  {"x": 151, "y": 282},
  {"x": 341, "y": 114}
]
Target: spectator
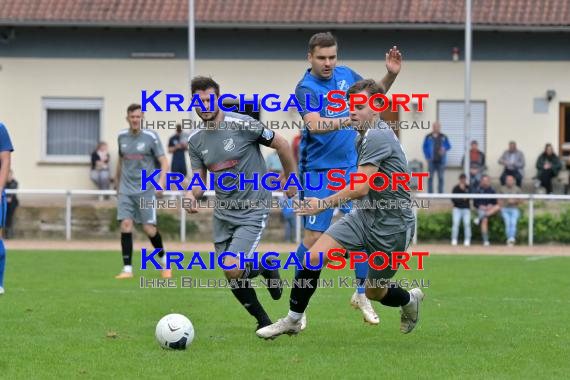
[
  {"x": 565, "y": 158},
  {"x": 485, "y": 207},
  {"x": 548, "y": 166},
  {"x": 100, "y": 166},
  {"x": 509, "y": 209},
  {"x": 513, "y": 161},
  {"x": 12, "y": 204},
  {"x": 178, "y": 145},
  {"x": 476, "y": 165},
  {"x": 436, "y": 145},
  {"x": 289, "y": 219},
  {"x": 461, "y": 212}
]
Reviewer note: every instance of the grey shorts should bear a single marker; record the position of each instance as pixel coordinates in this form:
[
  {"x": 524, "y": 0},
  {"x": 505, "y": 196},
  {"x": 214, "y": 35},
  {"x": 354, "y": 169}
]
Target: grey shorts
[
  {"x": 353, "y": 233},
  {"x": 129, "y": 207},
  {"x": 239, "y": 237}
]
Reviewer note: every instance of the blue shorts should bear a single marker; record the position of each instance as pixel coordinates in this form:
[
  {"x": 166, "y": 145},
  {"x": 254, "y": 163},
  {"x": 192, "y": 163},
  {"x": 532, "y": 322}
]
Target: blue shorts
[
  {"x": 3, "y": 207},
  {"x": 322, "y": 221}
]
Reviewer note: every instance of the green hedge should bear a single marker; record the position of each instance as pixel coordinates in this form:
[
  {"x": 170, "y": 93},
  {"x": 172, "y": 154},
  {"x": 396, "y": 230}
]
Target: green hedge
[
  {"x": 169, "y": 225},
  {"x": 548, "y": 228}
]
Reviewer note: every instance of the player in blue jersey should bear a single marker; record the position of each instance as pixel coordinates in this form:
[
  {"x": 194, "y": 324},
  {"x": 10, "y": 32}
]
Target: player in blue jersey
[
  {"x": 6, "y": 150},
  {"x": 323, "y": 149}
]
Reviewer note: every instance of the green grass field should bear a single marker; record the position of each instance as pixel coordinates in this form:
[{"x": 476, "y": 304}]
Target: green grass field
[{"x": 483, "y": 317}]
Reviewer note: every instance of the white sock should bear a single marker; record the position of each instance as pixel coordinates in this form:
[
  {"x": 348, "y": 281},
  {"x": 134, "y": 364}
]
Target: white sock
[
  {"x": 163, "y": 261},
  {"x": 295, "y": 316},
  {"x": 128, "y": 269}
]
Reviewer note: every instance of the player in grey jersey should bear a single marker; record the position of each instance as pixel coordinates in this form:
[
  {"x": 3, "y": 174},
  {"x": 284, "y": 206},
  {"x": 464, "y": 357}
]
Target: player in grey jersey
[
  {"x": 236, "y": 151},
  {"x": 138, "y": 150},
  {"x": 379, "y": 151}
]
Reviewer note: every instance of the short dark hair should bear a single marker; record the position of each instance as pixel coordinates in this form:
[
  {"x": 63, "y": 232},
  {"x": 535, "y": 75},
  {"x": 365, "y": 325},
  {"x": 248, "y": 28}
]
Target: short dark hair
[
  {"x": 321, "y": 40},
  {"x": 201, "y": 83},
  {"x": 462, "y": 176},
  {"x": 370, "y": 85},
  {"x": 133, "y": 107}
]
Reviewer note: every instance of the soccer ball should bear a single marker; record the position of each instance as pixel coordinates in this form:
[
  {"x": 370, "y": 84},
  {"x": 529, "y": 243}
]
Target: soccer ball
[{"x": 174, "y": 331}]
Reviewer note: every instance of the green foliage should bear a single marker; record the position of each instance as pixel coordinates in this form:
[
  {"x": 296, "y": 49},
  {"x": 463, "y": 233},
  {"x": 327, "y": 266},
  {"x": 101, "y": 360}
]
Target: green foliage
[{"x": 548, "y": 227}]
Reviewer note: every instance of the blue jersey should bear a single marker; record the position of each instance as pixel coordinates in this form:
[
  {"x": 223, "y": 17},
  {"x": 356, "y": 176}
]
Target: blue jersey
[
  {"x": 333, "y": 150},
  {"x": 5, "y": 143}
]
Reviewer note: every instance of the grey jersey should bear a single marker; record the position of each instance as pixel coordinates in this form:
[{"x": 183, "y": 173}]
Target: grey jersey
[
  {"x": 138, "y": 151},
  {"x": 232, "y": 151},
  {"x": 380, "y": 147}
]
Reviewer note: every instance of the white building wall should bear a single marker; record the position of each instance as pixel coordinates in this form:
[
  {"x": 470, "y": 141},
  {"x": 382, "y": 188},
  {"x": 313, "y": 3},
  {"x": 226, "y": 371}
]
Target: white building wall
[{"x": 507, "y": 87}]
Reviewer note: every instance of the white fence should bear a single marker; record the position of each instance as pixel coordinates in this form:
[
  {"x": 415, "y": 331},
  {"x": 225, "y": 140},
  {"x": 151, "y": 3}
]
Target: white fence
[
  {"x": 527, "y": 197},
  {"x": 70, "y": 194}
]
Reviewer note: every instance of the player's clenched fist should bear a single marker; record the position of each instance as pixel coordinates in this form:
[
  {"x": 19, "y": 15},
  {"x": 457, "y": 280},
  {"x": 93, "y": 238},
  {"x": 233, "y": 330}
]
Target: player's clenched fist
[{"x": 189, "y": 203}]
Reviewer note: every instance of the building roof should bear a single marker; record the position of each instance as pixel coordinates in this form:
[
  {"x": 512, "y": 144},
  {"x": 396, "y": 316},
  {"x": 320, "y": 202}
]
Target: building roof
[{"x": 486, "y": 14}]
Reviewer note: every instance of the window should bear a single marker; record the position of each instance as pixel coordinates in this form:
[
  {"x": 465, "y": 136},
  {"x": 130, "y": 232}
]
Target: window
[
  {"x": 71, "y": 128},
  {"x": 451, "y": 116}
]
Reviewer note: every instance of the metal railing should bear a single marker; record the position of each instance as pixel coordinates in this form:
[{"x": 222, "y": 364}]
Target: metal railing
[
  {"x": 69, "y": 194},
  {"x": 527, "y": 197}
]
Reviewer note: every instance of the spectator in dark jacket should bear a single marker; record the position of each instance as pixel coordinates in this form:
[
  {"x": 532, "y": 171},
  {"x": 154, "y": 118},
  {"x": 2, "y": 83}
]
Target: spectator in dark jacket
[
  {"x": 485, "y": 207},
  {"x": 100, "y": 166},
  {"x": 476, "y": 165},
  {"x": 461, "y": 212},
  {"x": 178, "y": 145},
  {"x": 435, "y": 147},
  {"x": 548, "y": 166}
]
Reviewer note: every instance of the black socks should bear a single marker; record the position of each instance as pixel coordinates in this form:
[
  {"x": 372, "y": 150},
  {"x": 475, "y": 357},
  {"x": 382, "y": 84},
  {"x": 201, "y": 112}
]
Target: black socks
[
  {"x": 300, "y": 296},
  {"x": 156, "y": 241},
  {"x": 127, "y": 248},
  {"x": 396, "y": 297},
  {"x": 248, "y": 298}
]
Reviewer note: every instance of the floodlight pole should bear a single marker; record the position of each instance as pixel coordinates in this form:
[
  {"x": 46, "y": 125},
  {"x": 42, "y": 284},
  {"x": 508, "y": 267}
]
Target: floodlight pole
[
  {"x": 191, "y": 57},
  {"x": 467, "y": 106},
  {"x": 191, "y": 49}
]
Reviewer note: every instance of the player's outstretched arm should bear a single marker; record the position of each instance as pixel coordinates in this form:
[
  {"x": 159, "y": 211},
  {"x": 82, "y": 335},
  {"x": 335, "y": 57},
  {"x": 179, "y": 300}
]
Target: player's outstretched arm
[
  {"x": 360, "y": 190},
  {"x": 286, "y": 157},
  {"x": 393, "y": 65},
  {"x": 318, "y": 124}
]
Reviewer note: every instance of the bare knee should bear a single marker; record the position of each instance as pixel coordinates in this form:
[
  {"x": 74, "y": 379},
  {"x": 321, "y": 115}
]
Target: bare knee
[
  {"x": 315, "y": 259},
  {"x": 126, "y": 226},
  {"x": 150, "y": 229},
  {"x": 234, "y": 273}
]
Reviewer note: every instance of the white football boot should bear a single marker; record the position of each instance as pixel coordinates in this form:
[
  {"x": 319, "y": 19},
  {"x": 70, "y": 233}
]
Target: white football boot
[
  {"x": 304, "y": 322},
  {"x": 283, "y": 326},
  {"x": 360, "y": 301},
  {"x": 410, "y": 314}
]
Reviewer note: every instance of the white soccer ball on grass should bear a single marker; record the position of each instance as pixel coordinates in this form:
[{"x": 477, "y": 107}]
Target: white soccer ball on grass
[{"x": 174, "y": 331}]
